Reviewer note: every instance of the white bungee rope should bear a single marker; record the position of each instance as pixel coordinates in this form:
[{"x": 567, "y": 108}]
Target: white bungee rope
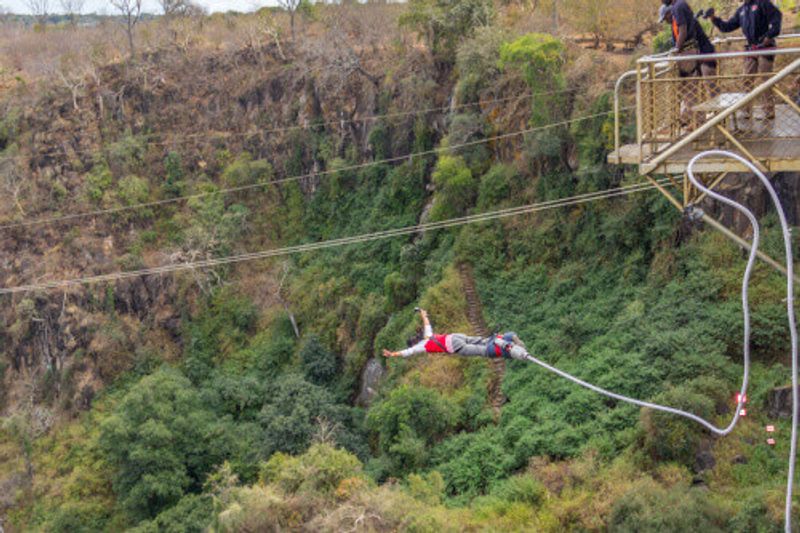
[{"x": 722, "y": 431}]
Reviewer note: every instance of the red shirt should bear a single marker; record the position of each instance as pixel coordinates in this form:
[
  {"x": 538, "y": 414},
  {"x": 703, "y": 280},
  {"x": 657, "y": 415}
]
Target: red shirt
[{"x": 436, "y": 344}]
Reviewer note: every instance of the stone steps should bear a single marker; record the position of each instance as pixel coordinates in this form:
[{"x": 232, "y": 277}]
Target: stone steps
[{"x": 495, "y": 395}]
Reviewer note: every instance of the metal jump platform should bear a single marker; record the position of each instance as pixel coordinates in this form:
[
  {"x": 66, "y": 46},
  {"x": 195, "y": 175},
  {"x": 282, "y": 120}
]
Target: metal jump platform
[{"x": 676, "y": 118}]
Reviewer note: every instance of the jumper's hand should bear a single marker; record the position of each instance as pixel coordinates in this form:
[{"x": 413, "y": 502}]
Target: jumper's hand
[{"x": 387, "y": 353}]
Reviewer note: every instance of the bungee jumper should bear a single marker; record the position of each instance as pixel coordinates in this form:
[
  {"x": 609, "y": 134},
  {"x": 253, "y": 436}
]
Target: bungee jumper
[{"x": 506, "y": 345}]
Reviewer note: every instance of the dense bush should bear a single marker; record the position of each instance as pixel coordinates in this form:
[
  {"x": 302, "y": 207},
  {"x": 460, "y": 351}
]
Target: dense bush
[
  {"x": 455, "y": 188},
  {"x": 294, "y": 411},
  {"x": 192, "y": 514},
  {"x": 444, "y": 23},
  {"x": 539, "y": 58},
  {"x": 319, "y": 364},
  {"x": 245, "y": 171},
  {"x": 160, "y": 441},
  {"x": 649, "y": 507},
  {"x": 670, "y": 438},
  {"x": 408, "y": 421},
  {"x": 320, "y": 469}
]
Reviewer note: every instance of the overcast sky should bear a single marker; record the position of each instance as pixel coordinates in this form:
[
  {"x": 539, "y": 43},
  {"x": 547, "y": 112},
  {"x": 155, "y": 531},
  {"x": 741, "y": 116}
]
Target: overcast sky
[{"x": 103, "y": 6}]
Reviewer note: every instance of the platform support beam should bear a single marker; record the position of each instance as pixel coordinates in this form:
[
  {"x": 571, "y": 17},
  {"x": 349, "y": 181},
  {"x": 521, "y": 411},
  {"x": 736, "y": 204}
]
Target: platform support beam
[{"x": 717, "y": 225}]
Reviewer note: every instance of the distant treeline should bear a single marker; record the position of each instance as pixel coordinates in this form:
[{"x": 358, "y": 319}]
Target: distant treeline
[{"x": 91, "y": 19}]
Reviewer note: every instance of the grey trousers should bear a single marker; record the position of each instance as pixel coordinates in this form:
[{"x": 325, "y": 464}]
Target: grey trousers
[
  {"x": 476, "y": 346},
  {"x": 469, "y": 346}
]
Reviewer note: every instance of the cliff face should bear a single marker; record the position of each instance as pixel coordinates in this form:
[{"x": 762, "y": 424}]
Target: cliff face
[
  {"x": 747, "y": 190},
  {"x": 200, "y": 108}
]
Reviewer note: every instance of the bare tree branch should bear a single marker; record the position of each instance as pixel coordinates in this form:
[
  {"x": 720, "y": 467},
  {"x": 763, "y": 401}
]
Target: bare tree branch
[
  {"x": 39, "y": 9},
  {"x": 180, "y": 8},
  {"x": 131, "y": 11},
  {"x": 290, "y": 6},
  {"x": 72, "y": 8}
]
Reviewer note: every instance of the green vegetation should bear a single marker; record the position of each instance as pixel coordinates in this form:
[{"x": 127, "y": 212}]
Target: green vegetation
[{"x": 232, "y": 421}]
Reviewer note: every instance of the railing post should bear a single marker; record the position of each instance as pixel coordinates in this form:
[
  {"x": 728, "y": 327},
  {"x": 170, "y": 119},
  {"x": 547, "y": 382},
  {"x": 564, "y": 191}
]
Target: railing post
[
  {"x": 617, "y": 87},
  {"x": 719, "y": 118},
  {"x": 639, "y": 111}
]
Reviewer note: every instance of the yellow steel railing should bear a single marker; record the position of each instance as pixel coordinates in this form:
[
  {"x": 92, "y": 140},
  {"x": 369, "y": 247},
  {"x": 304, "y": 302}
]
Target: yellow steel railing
[{"x": 671, "y": 105}]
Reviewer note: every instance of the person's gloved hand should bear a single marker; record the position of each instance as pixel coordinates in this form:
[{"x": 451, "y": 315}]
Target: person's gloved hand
[
  {"x": 710, "y": 13},
  {"x": 674, "y": 50},
  {"x": 769, "y": 42}
]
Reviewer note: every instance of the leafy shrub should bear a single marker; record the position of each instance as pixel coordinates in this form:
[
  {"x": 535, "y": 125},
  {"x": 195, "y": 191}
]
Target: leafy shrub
[
  {"x": 471, "y": 463},
  {"x": 269, "y": 352},
  {"x": 466, "y": 128},
  {"x": 428, "y": 487},
  {"x": 192, "y": 514},
  {"x": 496, "y": 186},
  {"x": 9, "y": 126},
  {"x": 158, "y": 438},
  {"x": 245, "y": 171},
  {"x": 126, "y": 155},
  {"x": 523, "y": 488},
  {"x": 476, "y": 61},
  {"x": 753, "y": 515},
  {"x": 319, "y": 364},
  {"x": 379, "y": 140},
  {"x": 319, "y": 470},
  {"x": 539, "y": 58},
  {"x": 98, "y": 181},
  {"x": 174, "y": 174},
  {"x": 293, "y": 412},
  {"x": 214, "y": 226},
  {"x": 663, "y": 40},
  {"x": 399, "y": 291},
  {"x": 220, "y": 330},
  {"x": 671, "y": 438},
  {"x": 408, "y": 421},
  {"x": 455, "y": 188},
  {"x": 133, "y": 190},
  {"x": 79, "y": 517},
  {"x": 444, "y": 23},
  {"x": 648, "y": 507}
]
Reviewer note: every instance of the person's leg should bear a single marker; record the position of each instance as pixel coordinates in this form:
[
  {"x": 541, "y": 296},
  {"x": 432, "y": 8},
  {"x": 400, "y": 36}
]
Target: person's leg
[
  {"x": 457, "y": 341},
  {"x": 709, "y": 71},
  {"x": 467, "y": 346},
  {"x": 750, "y": 65},
  {"x": 765, "y": 66}
]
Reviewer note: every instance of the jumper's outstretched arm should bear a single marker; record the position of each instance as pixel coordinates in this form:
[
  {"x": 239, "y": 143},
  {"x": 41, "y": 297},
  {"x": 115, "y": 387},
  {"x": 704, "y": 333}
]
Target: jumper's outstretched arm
[{"x": 427, "y": 331}]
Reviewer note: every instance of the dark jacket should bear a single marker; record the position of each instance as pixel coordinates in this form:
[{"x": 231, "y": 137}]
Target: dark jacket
[
  {"x": 759, "y": 20},
  {"x": 682, "y": 15}
]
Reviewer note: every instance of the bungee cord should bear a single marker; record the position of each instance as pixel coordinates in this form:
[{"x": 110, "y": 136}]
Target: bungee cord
[
  {"x": 722, "y": 431},
  {"x": 261, "y": 186},
  {"x": 787, "y": 241},
  {"x": 332, "y": 243}
]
